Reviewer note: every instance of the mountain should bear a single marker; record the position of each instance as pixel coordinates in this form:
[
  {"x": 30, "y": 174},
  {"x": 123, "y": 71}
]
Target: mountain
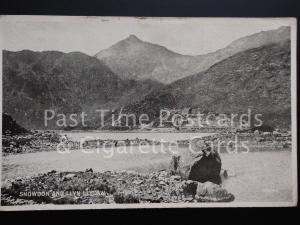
[
  {"x": 136, "y": 59},
  {"x": 65, "y": 82},
  {"x": 9, "y": 126},
  {"x": 258, "y": 79}
]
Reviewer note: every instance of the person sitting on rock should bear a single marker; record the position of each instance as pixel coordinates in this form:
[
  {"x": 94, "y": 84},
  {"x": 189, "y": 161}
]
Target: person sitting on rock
[{"x": 208, "y": 166}]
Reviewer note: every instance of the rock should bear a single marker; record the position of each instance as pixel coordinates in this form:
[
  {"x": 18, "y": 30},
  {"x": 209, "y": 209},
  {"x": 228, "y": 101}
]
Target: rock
[
  {"x": 207, "y": 168},
  {"x": 224, "y": 174},
  {"x": 69, "y": 176},
  {"x": 7, "y": 184},
  {"x": 157, "y": 189},
  {"x": 163, "y": 174},
  {"x": 52, "y": 172},
  {"x": 109, "y": 199},
  {"x": 175, "y": 177},
  {"x": 138, "y": 182},
  {"x": 89, "y": 170},
  {"x": 174, "y": 168},
  {"x": 210, "y": 192},
  {"x": 125, "y": 197},
  {"x": 19, "y": 179},
  {"x": 131, "y": 172},
  {"x": 162, "y": 183},
  {"x": 189, "y": 187},
  {"x": 188, "y": 199},
  {"x": 121, "y": 180},
  {"x": 63, "y": 200}
]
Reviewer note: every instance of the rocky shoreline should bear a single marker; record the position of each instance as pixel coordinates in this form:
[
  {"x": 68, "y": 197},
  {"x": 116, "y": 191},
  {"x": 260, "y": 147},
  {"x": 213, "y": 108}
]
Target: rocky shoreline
[
  {"x": 197, "y": 182},
  {"x": 35, "y": 141},
  {"x": 39, "y": 141},
  {"x": 108, "y": 188}
]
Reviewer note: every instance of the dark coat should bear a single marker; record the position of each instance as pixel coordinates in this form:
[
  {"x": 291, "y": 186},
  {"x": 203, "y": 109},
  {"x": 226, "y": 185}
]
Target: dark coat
[{"x": 207, "y": 168}]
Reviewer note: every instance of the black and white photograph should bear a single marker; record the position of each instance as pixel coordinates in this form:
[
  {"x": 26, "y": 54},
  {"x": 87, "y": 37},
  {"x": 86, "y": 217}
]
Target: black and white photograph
[{"x": 147, "y": 112}]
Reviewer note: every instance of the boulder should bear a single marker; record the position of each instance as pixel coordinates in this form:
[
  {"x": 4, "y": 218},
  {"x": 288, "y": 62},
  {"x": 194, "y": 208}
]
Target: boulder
[
  {"x": 210, "y": 192},
  {"x": 206, "y": 168},
  {"x": 174, "y": 168},
  {"x": 189, "y": 188},
  {"x": 7, "y": 184}
]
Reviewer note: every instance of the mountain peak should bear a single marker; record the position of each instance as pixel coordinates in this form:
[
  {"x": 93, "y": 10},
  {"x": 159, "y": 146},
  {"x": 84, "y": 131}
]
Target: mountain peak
[
  {"x": 137, "y": 59},
  {"x": 133, "y": 38}
]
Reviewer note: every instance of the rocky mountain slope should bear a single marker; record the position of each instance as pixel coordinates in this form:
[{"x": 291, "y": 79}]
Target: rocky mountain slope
[
  {"x": 137, "y": 59},
  {"x": 64, "y": 82},
  {"x": 10, "y": 127},
  {"x": 258, "y": 79}
]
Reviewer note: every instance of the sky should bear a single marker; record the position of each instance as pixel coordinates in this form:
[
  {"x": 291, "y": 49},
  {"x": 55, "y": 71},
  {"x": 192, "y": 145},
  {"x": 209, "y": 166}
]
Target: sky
[{"x": 194, "y": 36}]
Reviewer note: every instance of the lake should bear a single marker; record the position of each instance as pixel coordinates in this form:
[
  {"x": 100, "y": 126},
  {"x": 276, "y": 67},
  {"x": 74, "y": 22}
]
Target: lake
[{"x": 258, "y": 176}]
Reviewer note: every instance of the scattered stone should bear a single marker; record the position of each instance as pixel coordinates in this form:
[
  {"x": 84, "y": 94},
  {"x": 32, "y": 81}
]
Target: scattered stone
[
  {"x": 89, "y": 170},
  {"x": 162, "y": 183},
  {"x": 163, "y": 174},
  {"x": 139, "y": 188},
  {"x": 138, "y": 182},
  {"x": 52, "y": 171},
  {"x": 188, "y": 199},
  {"x": 126, "y": 197},
  {"x": 175, "y": 177},
  {"x": 157, "y": 189},
  {"x": 131, "y": 172},
  {"x": 7, "y": 184},
  {"x": 69, "y": 176}
]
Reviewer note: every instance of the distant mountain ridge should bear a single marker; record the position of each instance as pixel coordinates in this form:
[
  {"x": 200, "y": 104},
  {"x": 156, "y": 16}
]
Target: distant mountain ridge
[
  {"x": 135, "y": 59},
  {"x": 65, "y": 82},
  {"x": 257, "y": 79}
]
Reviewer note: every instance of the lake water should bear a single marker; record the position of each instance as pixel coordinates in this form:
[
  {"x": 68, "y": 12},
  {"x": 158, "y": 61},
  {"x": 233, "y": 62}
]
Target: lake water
[{"x": 259, "y": 176}]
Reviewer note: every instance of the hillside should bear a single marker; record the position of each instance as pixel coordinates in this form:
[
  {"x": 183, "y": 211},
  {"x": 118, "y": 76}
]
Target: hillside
[
  {"x": 136, "y": 59},
  {"x": 258, "y": 79},
  {"x": 10, "y": 127},
  {"x": 65, "y": 82}
]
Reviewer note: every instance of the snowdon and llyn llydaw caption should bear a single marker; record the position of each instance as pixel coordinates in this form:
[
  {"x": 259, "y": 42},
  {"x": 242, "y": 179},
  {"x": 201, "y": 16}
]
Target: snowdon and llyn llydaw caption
[{"x": 107, "y": 112}]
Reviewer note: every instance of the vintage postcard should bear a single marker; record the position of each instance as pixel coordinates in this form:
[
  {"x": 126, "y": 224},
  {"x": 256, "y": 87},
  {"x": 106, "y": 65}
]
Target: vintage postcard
[{"x": 128, "y": 112}]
